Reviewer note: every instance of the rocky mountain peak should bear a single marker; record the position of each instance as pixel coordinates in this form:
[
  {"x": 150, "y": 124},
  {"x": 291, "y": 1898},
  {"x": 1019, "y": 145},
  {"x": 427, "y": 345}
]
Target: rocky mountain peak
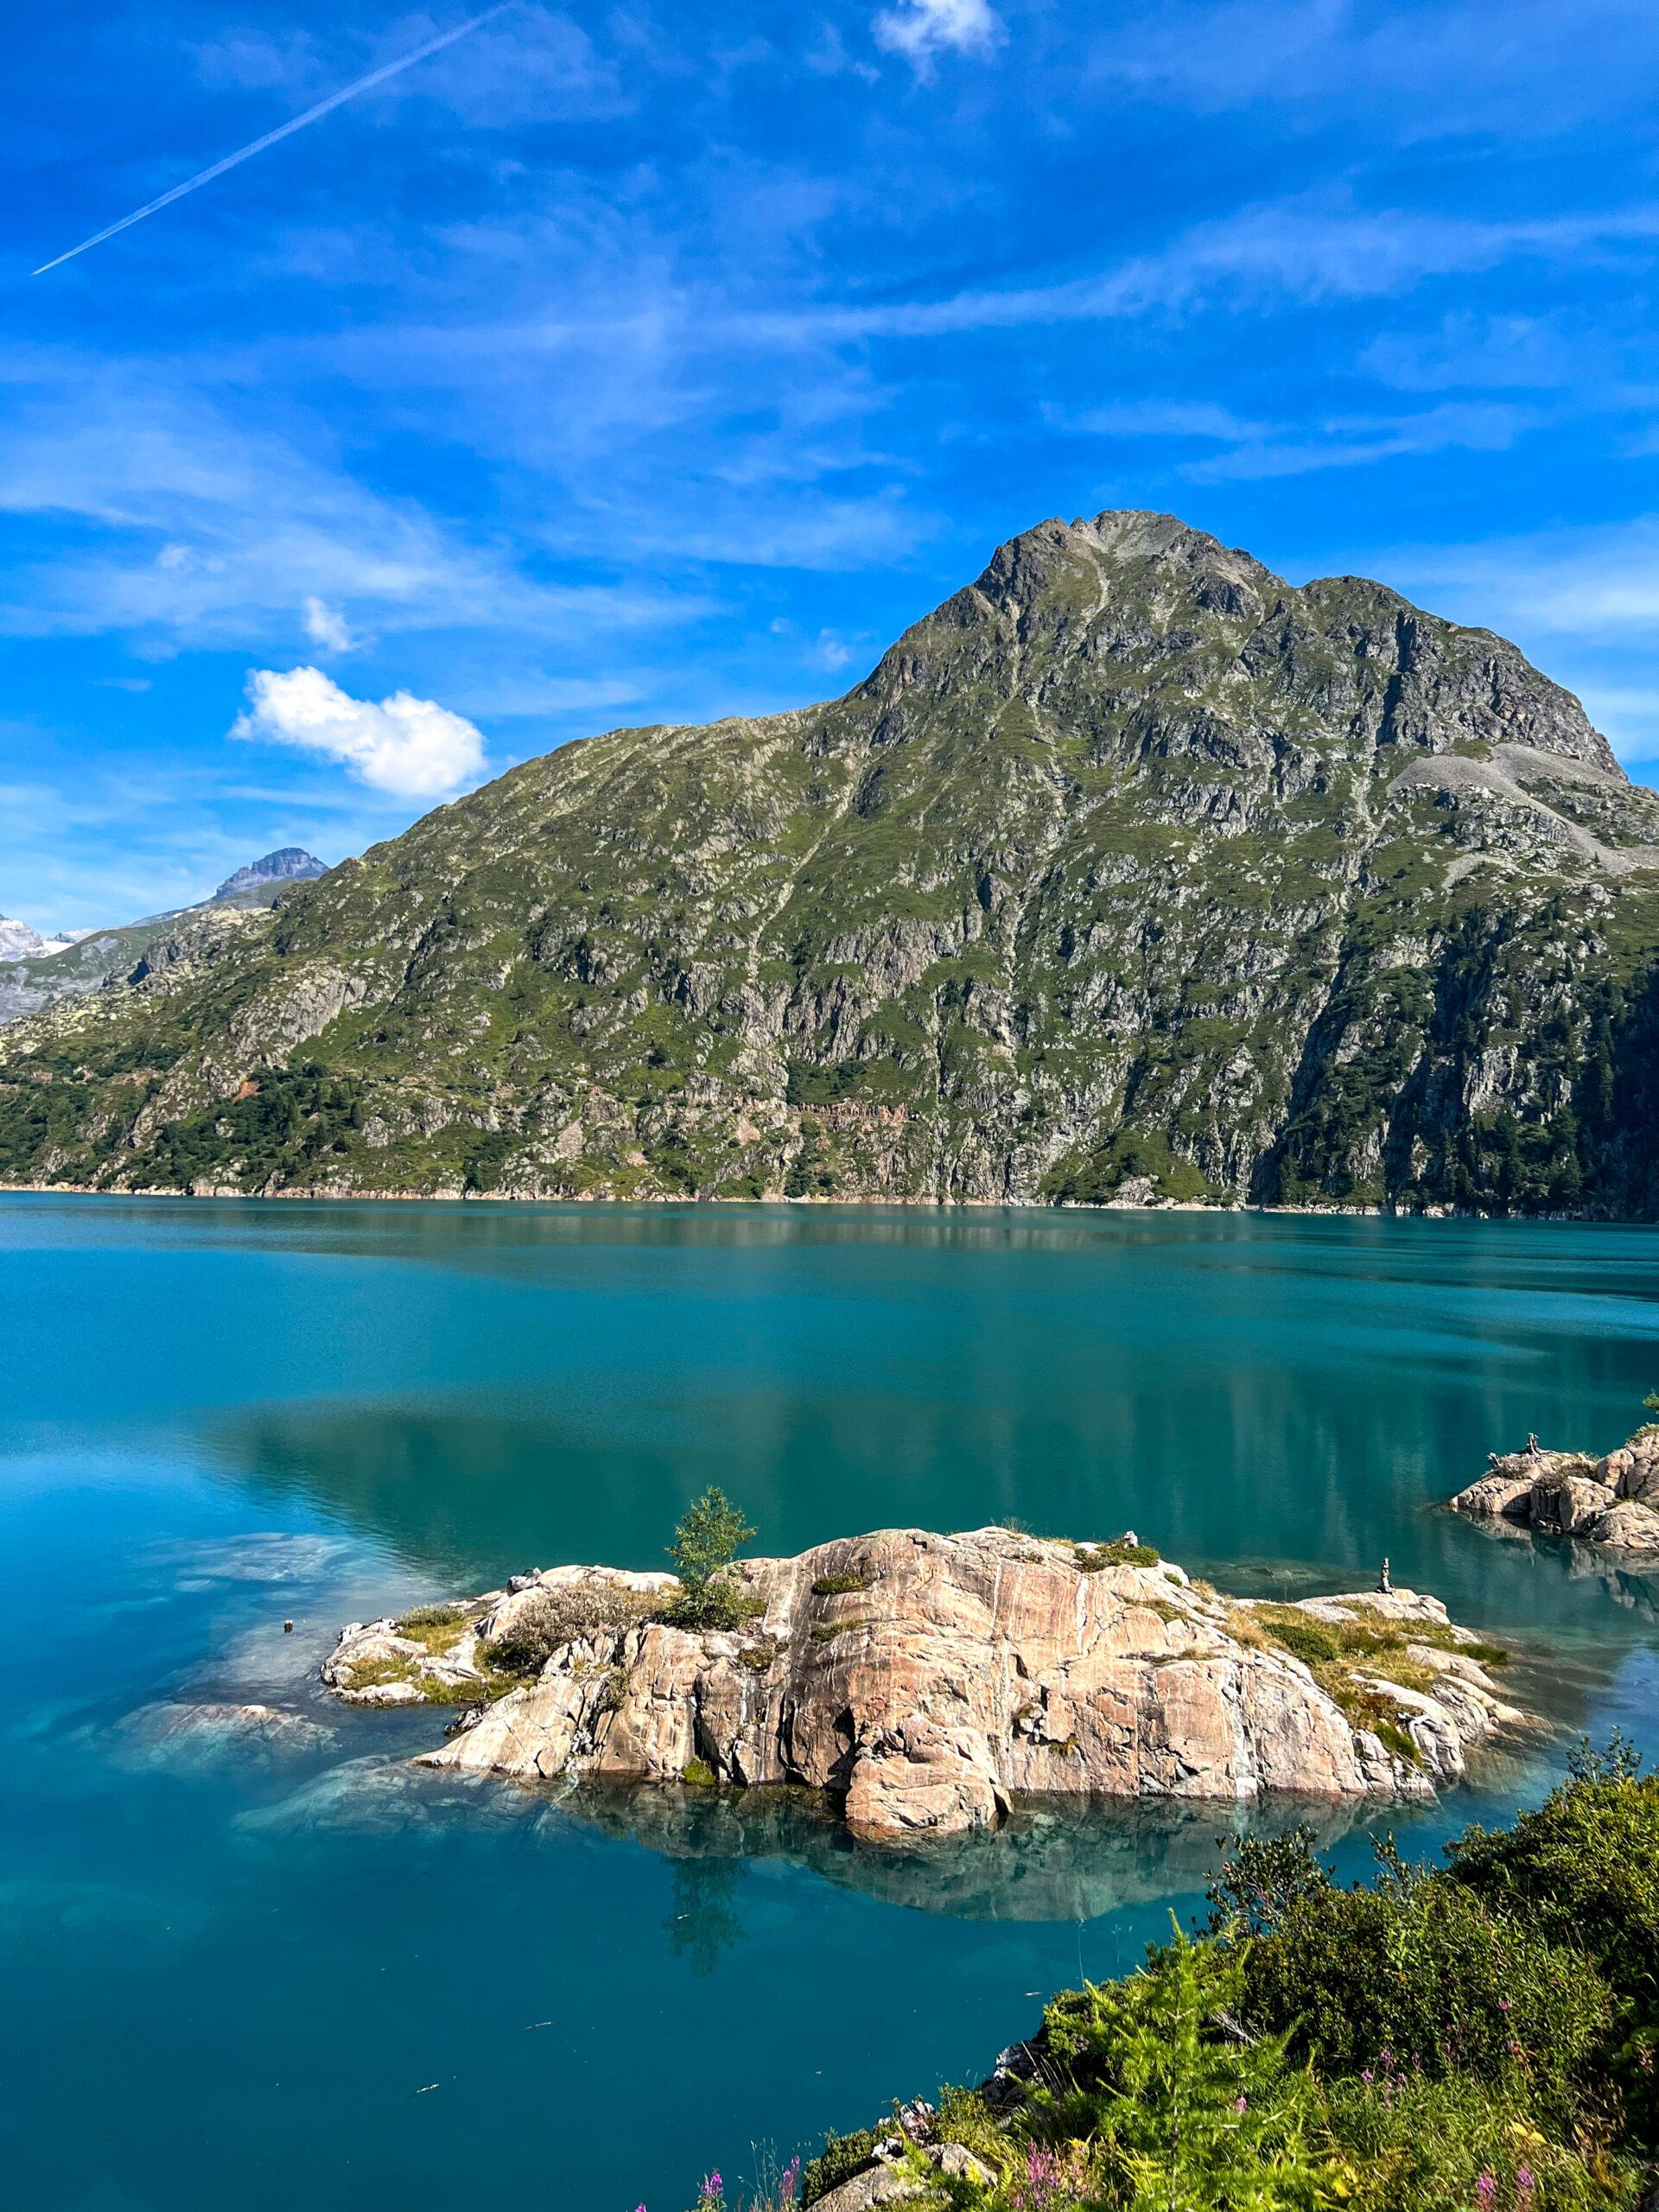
[
  {"x": 287, "y": 864},
  {"x": 1129, "y": 605},
  {"x": 1133, "y": 872},
  {"x": 18, "y": 940}
]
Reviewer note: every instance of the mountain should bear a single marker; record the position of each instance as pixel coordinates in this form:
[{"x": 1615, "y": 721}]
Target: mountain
[
  {"x": 43, "y": 970},
  {"x": 18, "y": 940},
  {"x": 289, "y": 864},
  {"x": 1130, "y": 872}
]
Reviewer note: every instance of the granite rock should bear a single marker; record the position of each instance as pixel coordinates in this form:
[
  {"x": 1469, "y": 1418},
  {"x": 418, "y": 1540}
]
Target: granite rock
[
  {"x": 924, "y": 1682},
  {"x": 1612, "y": 1501}
]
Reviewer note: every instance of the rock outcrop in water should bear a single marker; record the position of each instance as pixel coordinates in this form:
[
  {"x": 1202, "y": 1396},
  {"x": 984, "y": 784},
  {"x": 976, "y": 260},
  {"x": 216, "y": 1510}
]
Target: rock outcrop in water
[
  {"x": 926, "y": 1681},
  {"x": 1613, "y": 1500}
]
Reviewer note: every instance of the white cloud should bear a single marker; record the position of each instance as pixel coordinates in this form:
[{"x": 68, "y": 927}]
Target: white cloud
[
  {"x": 211, "y": 532},
  {"x": 1525, "y": 66},
  {"x": 1629, "y": 718},
  {"x": 411, "y": 747},
  {"x": 1599, "y": 584},
  {"x": 1309, "y": 250},
  {"x": 326, "y": 626},
  {"x": 1358, "y": 441},
  {"x": 1167, "y": 418},
  {"x": 1493, "y": 353},
  {"x": 1265, "y": 449},
  {"x": 920, "y": 29}
]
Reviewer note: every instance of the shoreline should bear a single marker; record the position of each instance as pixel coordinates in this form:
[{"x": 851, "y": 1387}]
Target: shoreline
[{"x": 1332, "y": 1212}]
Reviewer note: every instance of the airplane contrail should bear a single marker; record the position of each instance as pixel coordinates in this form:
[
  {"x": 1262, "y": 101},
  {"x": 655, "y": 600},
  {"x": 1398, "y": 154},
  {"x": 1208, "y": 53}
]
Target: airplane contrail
[{"x": 284, "y": 130}]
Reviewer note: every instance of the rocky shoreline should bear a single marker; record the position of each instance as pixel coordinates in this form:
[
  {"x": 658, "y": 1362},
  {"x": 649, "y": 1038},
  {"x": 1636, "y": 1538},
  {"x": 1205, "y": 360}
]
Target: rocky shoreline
[
  {"x": 949, "y": 1201},
  {"x": 924, "y": 1682},
  {"x": 1612, "y": 1500}
]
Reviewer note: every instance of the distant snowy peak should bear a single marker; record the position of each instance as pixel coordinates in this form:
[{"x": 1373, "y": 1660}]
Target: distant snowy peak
[
  {"x": 18, "y": 940},
  {"x": 290, "y": 864}
]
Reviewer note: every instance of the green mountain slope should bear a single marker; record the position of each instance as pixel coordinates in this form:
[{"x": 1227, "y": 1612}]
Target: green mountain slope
[{"x": 1131, "y": 870}]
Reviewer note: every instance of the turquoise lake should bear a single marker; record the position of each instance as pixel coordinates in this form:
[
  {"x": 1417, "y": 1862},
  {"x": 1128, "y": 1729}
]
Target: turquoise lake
[{"x": 236, "y": 1975}]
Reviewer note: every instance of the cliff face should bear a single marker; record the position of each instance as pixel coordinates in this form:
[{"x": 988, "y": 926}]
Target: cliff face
[
  {"x": 927, "y": 1680},
  {"x": 1130, "y": 871}
]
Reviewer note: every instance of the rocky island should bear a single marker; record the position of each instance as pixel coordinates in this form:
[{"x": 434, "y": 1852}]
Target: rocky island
[
  {"x": 1612, "y": 1500},
  {"x": 924, "y": 1682}
]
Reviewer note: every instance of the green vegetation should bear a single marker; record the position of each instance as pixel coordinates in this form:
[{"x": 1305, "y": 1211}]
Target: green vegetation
[
  {"x": 1132, "y": 1154},
  {"x": 1345, "y": 1656},
  {"x": 842, "y": 2157},
  {"x": 551, "y": 1618},
  {"x": 431, "y": 1617},
  {"x": 1480, "y": 2038},
  {"x": 838, "y": 1586},
  {"x": 697, "y": 1774},
  {"x": 1091, "y": 1558},
  {"x": 705, "y": 1544},
  {"x": 371, "y": 1673},
  {"x": 1193, "y": 911},
  {"x": 437, "y": 1628},
  {"x": 827, "y": 1631}
]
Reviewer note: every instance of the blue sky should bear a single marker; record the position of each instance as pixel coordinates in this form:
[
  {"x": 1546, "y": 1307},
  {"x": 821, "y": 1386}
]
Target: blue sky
[{"x": 645, "y": 363}]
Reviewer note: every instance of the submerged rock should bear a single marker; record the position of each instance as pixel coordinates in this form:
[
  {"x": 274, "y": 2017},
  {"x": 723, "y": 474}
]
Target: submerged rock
[
  {"x": 190, "y": 1732},
  {"x": 1612, "y": 1501},
  {"x": 924, "y": 1682}
]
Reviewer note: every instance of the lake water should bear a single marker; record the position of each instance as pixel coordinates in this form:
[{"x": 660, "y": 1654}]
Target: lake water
[{"x": 236, "y": 1975}]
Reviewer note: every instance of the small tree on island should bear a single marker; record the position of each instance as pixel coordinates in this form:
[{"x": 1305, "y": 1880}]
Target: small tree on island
[{"x": 705, "y": 1544}]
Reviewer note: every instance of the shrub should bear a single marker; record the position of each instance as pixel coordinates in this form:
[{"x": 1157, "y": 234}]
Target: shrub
[
  {"x": 1413, "y": 2145},
  {"x": 705, "y": 1544},
  {"x": 1091, "y": 1558},
  {"x": 838, "y": 1586},
  {"x": 431, "y": 1617},
  {"x": 964, "y": 2117},
  {"x": 1417, "y": 2045},
  {"x": 1261, "y": 1880},
  {"x": 567, "y": 1613},
  {"x": 1418, "y": 1972},
  {"x": 1181, "y": 2112},
  {"x": 842, "y": 2157},
  {"x": 1308, "y": 1640},
  {"x": 1584, "y": 1870}
]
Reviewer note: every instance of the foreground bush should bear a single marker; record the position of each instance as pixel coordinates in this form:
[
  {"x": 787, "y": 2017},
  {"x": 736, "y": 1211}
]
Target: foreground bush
[{"x": 1476, "y": 2038}]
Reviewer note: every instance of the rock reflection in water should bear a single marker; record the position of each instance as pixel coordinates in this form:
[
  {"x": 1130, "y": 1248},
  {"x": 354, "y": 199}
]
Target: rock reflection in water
[
  {"x": 1628, "y": 1581},
  {"x": 1053, "y": 1860}
]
